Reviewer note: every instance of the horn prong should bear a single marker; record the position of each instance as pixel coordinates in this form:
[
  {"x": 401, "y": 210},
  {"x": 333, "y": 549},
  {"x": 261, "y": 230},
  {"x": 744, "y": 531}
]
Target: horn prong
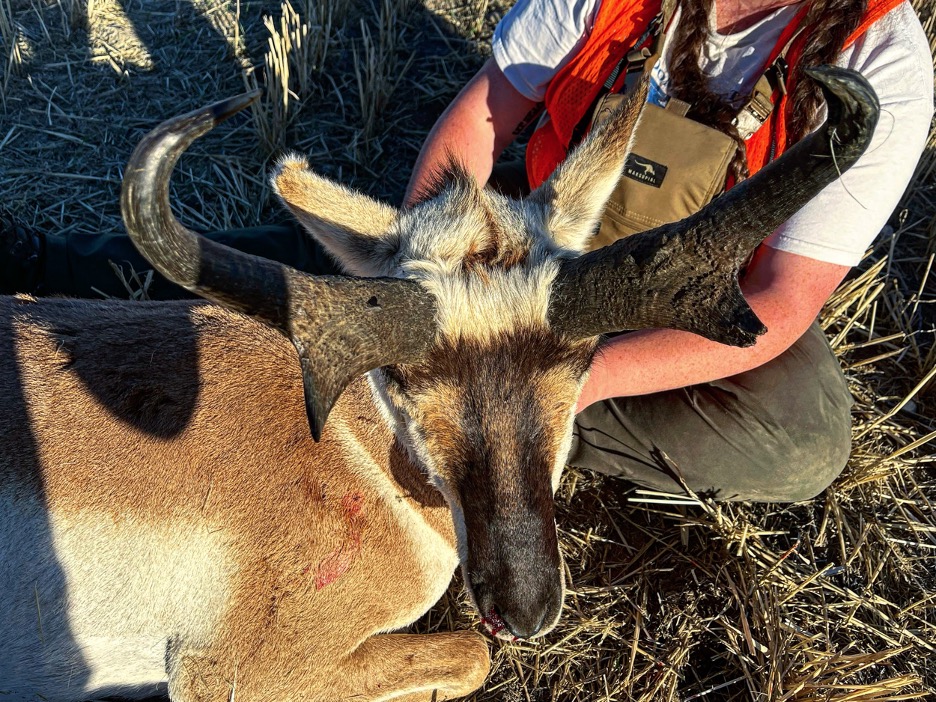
[{"x": 337, "y": 334}]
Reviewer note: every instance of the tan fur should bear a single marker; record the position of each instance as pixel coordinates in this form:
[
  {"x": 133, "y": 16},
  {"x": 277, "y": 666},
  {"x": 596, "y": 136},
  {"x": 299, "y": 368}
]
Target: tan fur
[
  {"x": 491, "y": 270},
  {"x": 578, "y": 190},
  {"x": 276, "y": 550},
  {"x": 169, "y": 471},
  {"x": 336, "y": 216},
  {"x": 166, "y": 515}
]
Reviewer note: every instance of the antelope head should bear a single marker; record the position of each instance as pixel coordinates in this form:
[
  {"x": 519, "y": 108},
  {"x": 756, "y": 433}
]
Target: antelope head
[{"x": 477, "y": 316}]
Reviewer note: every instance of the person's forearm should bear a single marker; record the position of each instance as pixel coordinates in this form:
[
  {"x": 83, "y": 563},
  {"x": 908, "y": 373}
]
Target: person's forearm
[
  {"x": 475, "y": 128},
  {"x": 786, "y": 291},
  {"x": 655, "y": 360}
]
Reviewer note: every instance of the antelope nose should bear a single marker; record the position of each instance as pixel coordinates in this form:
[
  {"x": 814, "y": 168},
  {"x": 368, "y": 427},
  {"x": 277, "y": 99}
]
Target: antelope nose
[
  {"x": 519, "y": 609},
  {"x": 514, "y": 623},
  {"x": 525, "y": 627}
]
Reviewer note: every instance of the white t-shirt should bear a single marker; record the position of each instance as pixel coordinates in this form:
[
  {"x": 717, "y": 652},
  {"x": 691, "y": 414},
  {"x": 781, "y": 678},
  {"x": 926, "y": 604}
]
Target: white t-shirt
[
  {"x": 537, "y": 37},
  {"x": 731, "y": 61}
]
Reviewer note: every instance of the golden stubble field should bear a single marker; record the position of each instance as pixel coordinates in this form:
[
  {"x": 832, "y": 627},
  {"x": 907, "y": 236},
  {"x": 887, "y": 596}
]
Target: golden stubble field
[{"x": 670, "y": 599}]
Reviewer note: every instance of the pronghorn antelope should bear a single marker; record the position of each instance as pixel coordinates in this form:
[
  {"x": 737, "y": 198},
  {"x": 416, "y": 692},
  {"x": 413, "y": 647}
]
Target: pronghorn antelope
[{"x": 166, "y": 514}]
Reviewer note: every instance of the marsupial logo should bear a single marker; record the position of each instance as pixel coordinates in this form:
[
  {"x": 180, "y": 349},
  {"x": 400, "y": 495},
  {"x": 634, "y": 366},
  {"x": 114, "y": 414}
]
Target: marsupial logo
[{"x": 643, "y": 170}]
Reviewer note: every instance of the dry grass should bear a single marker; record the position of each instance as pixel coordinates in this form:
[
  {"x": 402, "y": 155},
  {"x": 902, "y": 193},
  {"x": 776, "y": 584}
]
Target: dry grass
[
  {"x": 670, "y": 599},
  {"x": 377, "y": 70},
  {"x": 296, "y": 52},
  {"x": 13, "y": 50}
]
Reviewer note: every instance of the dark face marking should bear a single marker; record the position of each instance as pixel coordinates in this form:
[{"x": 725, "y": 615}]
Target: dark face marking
[
  {"x": 452, "y": 174},
  {"x": 493, "y": 418}
]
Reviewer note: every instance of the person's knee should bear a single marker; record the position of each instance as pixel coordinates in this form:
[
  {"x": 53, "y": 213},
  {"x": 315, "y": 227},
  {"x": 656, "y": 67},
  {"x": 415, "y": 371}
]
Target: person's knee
[{"x": 810, "y": 468}]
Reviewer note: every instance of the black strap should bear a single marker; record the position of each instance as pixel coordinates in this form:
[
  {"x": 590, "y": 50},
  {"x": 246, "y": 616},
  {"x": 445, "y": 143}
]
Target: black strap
[{"x": 630, "y": 62}]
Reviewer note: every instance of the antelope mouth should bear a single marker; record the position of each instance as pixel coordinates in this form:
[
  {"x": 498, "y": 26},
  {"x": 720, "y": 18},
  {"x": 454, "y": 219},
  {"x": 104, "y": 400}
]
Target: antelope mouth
[
  {"x": 511, "y": 613},
  {"x": 496, "y": 627}
]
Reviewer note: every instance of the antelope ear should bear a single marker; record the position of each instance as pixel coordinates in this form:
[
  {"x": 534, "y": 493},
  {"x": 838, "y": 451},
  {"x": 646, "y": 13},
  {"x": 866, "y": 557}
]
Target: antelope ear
[
  {"x": 574, "y": 196},
  {"x": 352, "y": 227}
]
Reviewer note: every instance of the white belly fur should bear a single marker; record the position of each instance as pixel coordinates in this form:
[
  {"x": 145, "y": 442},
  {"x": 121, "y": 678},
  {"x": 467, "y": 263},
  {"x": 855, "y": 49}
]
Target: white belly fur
[{"x": 89, "y": 604}]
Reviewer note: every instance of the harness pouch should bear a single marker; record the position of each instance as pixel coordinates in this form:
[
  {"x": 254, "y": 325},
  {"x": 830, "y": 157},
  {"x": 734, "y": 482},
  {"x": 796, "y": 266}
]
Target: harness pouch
[{"x": 675, "y": 167}]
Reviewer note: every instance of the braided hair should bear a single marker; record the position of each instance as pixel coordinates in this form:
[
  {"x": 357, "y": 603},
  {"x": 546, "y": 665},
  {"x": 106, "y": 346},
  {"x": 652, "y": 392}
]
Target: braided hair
[{"x": 828, "y": 24}]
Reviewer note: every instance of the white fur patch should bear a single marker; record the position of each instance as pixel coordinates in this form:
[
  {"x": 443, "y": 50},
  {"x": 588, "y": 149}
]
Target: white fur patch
[
  {"x": 105, "y": 596},
  {"x": 411, "y": 437},
  {"x": 562, "y": 456},
  {"x": 437, "y": 559},
  {"x": 472, "y": 306},
  {"x": 438, "y": 239}
]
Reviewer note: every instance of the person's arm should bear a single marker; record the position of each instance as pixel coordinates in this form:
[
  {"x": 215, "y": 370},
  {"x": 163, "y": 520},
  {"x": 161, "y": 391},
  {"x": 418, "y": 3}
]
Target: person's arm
[
  {"x": 785, "y": 290},
  {"x": 785, "y": 285},
  {"x": 474, "y": 129}
]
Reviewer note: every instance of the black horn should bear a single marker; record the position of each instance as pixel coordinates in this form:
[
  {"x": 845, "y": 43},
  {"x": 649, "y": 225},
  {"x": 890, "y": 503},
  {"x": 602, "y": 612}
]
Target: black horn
[
  {"x": 341, "y": 326},
  {"x": 685, "y": 275}
]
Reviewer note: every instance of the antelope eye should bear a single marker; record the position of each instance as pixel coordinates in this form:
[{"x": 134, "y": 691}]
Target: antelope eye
[{"x": 393, "y": 374}]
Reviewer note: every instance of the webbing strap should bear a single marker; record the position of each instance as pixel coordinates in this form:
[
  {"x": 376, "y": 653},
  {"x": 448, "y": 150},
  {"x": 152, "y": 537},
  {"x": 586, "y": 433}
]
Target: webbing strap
[
  {"x": 631, "y": 61},
  {"x": 756, "y": 111},
  {"x": 638, "y": 54}
]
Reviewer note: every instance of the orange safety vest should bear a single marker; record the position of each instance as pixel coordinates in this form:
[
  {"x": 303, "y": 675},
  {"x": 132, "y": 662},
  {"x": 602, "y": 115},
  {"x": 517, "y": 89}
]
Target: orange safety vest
[{"x": 618, "y": 25}]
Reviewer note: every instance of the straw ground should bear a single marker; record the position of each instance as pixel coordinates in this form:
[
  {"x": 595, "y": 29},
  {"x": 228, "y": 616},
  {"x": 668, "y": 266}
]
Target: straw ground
[{"x": 671, "y": 599}]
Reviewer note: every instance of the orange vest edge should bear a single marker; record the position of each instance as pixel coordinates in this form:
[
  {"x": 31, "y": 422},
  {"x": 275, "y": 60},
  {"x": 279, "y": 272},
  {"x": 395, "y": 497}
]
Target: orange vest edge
[{"x": 617, "y": 26}]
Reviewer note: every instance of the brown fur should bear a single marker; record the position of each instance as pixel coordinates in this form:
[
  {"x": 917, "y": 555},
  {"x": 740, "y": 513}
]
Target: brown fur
[
  {"x": 290, "y": 631},
  {"x": 162, "y": 470},
  {"x": 469, "y": 409},
  {"x": 500, "y": 462}
]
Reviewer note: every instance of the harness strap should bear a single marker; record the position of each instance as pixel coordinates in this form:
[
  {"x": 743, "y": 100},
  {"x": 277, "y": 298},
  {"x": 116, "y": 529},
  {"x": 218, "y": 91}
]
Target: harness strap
[
  {"x": 646, "y": 47},
  {"x": 644, "y": 55},
  {"x": 756, "y": 111}
]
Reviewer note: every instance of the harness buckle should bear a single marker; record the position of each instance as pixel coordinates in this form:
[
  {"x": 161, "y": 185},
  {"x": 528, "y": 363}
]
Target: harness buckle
[{"x": 777, "y": 74}]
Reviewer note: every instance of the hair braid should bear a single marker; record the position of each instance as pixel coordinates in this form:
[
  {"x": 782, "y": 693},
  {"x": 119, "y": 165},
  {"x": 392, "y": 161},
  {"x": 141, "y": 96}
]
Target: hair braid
[
  {"x": 691, "y": 84},
  {"x": 828, "y": 22}
]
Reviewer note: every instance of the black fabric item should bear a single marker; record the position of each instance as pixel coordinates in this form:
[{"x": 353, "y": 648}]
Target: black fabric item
[
  {"x": 509, "y": 178},
  {"x": 21, "y": 254},
  {"x": 78, "y": 265}
]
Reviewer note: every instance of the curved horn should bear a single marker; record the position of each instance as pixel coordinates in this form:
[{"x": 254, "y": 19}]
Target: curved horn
[
  {"x": 685, "y": 275},
  {"x": 341, "y": 326}
]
